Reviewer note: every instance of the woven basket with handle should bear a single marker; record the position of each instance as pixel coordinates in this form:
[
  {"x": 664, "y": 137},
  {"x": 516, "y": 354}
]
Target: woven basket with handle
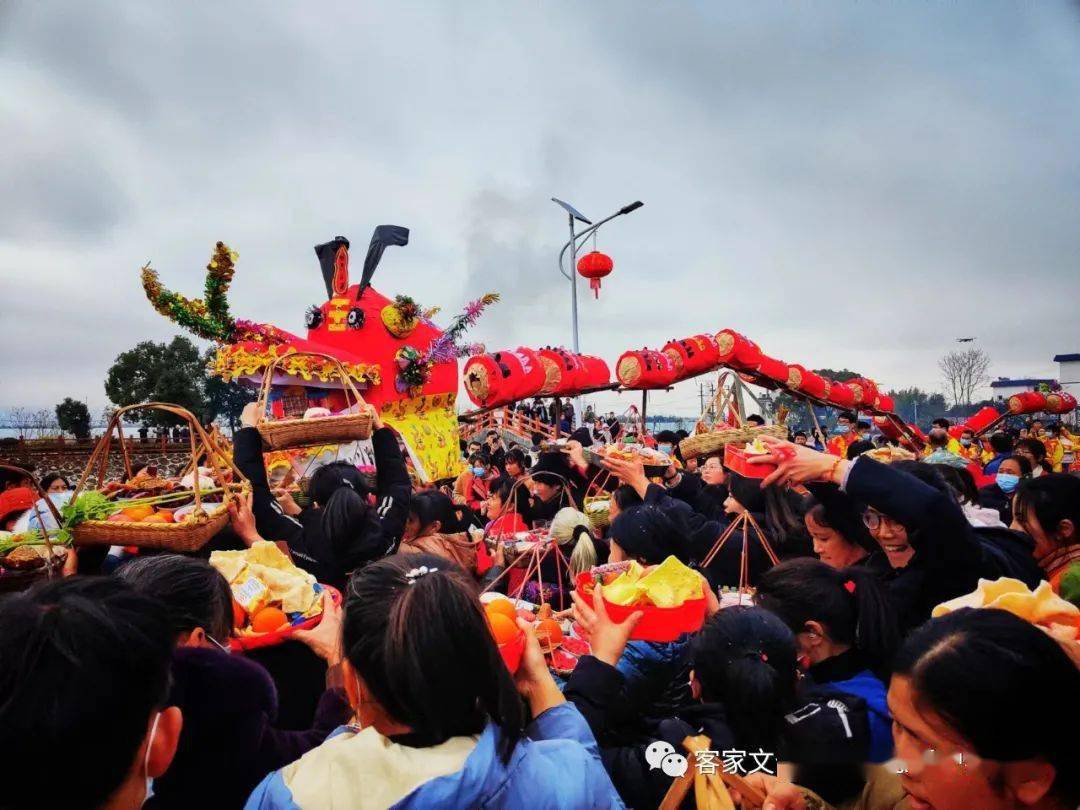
[
  {"x": 708, "y": 441},
  {"x": 187, "y": 535},
  {"x": 15, "y": 580},
  {"x": 287, "y": 434}
]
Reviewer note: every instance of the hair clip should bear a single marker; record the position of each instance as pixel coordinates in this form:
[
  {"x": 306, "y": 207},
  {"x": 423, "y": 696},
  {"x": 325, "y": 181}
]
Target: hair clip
[
  {"x": 849, "y": 586},
  {"x": 415, "y": 573}
]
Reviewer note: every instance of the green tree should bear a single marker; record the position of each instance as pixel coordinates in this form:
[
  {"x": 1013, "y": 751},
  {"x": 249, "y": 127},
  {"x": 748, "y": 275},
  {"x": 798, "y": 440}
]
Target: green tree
[
  {"x": 74, "y": 417},
  {"x": 224, "y": 399},
  {"x": 915, "y": 405},
  {"x": 159, "y": 372}
]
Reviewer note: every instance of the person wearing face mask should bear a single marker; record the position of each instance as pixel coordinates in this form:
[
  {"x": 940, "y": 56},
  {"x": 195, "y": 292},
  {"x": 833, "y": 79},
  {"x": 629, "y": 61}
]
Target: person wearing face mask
[
  {"x": 230, "y": 703},
  {"x": 1010, "y": 471},
  {"x": 438, "y": 721},
  {"x": 97, "y": 684},
  {"x": 473, "y": 485},
  {"x": 666, "y": 442},
  {"x": 846, "y": 434}
]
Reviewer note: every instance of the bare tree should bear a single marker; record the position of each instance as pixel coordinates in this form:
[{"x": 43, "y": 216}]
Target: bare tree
[
  {"x": 964, "y": 372},
  {"x": 21, "y": 419},
  {"x": 43, "y": 423}
]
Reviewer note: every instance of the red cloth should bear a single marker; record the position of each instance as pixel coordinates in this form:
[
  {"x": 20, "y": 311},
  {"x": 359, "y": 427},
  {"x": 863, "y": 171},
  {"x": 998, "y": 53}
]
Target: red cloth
[
  {"x": 506, "y": 525},
  {"x": 16, "y": 499}
]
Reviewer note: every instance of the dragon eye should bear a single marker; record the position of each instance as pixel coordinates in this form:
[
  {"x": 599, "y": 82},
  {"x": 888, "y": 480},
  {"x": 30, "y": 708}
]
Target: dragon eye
[
  {"x": 313, "y": 317},
  {"x": 355, "y": 319}
]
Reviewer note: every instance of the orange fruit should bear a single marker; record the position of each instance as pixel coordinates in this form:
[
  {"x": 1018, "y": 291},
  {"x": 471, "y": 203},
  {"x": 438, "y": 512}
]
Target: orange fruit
[
  {"x": 239, "y": 615},
  {"x": 268, "y": 620},
  {"x": 167, "y": 514},
  {"x": 157, "y": 518},
  {"x": 549, "y": 633},
  {"x": 503, "y": 628},
  {"x": 501, "y": 606},
  {"x": 138, "y": 512}
]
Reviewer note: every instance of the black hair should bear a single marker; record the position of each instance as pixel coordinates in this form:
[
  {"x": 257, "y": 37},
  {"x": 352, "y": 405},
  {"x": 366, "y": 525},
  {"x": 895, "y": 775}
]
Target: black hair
[
  {"x": 537, "y": 439},
  {"x": 85, "y": 664},
  {"x": 941, "y": 422},
  {"x": 625, "y": 497},
  {"x": 194, "y": 593},
  {"x": 1016, "y": 708},
  {"x": 745, "y": 659},
  {"x": 1053, "y": 498},
  {"x": 755, "y": 419},
  {"x": 49, "y": 478},
  {"x": 862, "y": 425},
  {"x": 667, "y": 436},
  {"x": 856, "y": 449},
  {"x": 401, "y": 633},
  {"x": 478, "y": 458},
  {"x": 836, "y": 510},
  {"x": 961, "y": 482},
  {"x": 502, "y": 487},
  {"x": 1001, "y": 443},
  {"x": 1025, "y": 464},
  {"x": 648, "y": 534},
  {"x": 340, "y": 490},
  {"x": 747, "y": 491},
  {"x": 927, "y": 473},
  {"x": 849, "y": 415},
  {"x": 1037, "y": 448},
  {"x": 784, "y": 519},
  {"x": 799, "y": 433},
  {"x": 938, "y": 438},
  {"x": 429, "y": 506},
  {"x": 849, "y": 603},
  {"x": 516, "y": 456}
]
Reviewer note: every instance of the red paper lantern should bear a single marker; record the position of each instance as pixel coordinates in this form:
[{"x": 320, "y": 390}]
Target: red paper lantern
[
  {"x": 593, "y": 372},
  {"x": 865, "y": 391},
  {"x": 693, "y": 355},
  {"x": 562, "y": 370},
  {"x": 1060, "y": 402},
  {"x": 594, "y": 266},
  {"x": 888, "y": 429},
  {"x": 1027, "y": 402},
  {"x": 493, "y": 379},
  {"x": 981, "y": 419},
  {"x": 807, "y": 382},
  {"x": 841, "y": 395},
  {"x": 775, "y": 370},
  {"x": 645, "y": 370},
  {"x": 736, "y": 350},
  {"x": 885, "y": 403}
]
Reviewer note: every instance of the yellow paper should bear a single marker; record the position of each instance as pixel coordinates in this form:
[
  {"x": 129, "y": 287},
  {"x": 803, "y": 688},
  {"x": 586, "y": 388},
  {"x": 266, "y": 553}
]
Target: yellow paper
[
  {"x": 286, "y": 584},
  {"x": 671, "y": 583},
  {"x": 429, "y": 427}
]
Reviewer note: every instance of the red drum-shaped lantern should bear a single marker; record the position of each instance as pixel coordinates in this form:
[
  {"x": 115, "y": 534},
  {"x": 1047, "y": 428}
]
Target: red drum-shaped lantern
[
  {"x": 841, "y": 395},
  {"x": 1027, "y": 402},
  {"x": 981, "y": 419},
  {"x": 888, "y": 429},
  {"x": 693, "y": 355},
  {"x": 865, "y": 391},
  {"x": 493, "y": 379},
  {"x": 593, "y": 373},
  {"x": 561, "y": 371},
  {"x": 736, "y": 350},
  {"x": 646, "y": 369},
  {"x": 532, "y": 377},
  {"x": 807, "y": 382},
  {"x": 885, "y": 403},
  {"x": 1060, "y": 402},
  {"x": 775, "y": 370},
  {"x": 594, "y": 266}
]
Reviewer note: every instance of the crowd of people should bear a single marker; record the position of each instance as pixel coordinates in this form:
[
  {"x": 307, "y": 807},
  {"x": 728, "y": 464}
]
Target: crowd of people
[{"x": 118, "y": 690}]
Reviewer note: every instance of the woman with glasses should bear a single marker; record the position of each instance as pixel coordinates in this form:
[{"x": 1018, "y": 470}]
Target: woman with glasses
[
  {"x": 933, "y": 554},
  {"x": 230, "y": 704}
]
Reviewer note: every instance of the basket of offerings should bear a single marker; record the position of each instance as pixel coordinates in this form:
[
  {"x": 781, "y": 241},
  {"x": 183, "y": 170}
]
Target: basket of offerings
[
  {"x": 272, "y": 598},
  {"x": 737, "y": 459},
  {"x": 146, "y": 510},
  {"x": 654, "y": 461},
  {"x": 715, "y": 440},
  {"x": 27, "y": 557},
  {"x": 670, "y": 595},
  {"x": 314, "y": 428}
]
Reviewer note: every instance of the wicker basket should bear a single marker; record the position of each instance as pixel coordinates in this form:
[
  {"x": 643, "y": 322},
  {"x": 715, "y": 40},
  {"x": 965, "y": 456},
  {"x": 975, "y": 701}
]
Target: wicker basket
[
  {"x": 599, "y": 518},
  {"x": 705, "y": 444},
  {"x": 288, "y": 434},
  {"x": 186, "y": 536},
  {"x": 12, "y": 581}
]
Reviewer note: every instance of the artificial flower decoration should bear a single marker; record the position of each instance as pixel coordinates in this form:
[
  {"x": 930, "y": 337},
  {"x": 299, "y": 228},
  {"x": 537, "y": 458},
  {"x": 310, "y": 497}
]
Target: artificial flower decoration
[{"x": 206, "y": 317}]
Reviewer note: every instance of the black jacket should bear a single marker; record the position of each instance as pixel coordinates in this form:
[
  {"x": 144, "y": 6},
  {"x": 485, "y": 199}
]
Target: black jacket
[
  {"x": 311, "y": 549},
  {"x": 229, "y": 742},
  {"x": 994, "y": 497},
  {"x": 950, "y": 555}
]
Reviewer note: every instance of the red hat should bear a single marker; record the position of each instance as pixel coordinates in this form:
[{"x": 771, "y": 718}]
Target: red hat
[{"x": 17, "y": 499}]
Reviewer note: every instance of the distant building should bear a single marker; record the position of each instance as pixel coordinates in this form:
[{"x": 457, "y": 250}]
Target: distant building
[
  {"x": 1002, "y": 388},
  {"x": 1069, "y": 372}
]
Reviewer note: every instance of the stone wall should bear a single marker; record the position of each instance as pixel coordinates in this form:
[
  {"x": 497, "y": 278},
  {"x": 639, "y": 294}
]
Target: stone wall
[{"x": 71, "y": 462}]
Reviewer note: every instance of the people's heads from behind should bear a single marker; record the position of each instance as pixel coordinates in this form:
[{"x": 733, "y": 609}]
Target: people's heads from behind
[
  {"x": 800, "y": 437},
  {"x": 744, "y": 658},
  {"x": 1048, "y": 509},
  {"x": 516, "y": 463},
  {"x": 1031, "y": 449},
  {"x": 85, "y": 669},
  {"x": 12, "y": 479},
  {"x": 195, "y": 595},
  {"x": 624, "y": 497},
  {"x": 571, "y": 526},
  {"x": 960, "y": 481},
  {"x": 941, "y": 423},
  {"x": 755, "y": 420},
  {"x": 341, "y": 492},
  {"x": 430, "y": 512},
  {"x": 54, "y": 483},
  {"x": 836, "y": 529},
  {"x": 857, "y": 448},
  {"x": 712, "y": 471},
  {"x": 831, "y": 610},
  {"x": 647, "y": 534},
  {"x": 1001, "y": 443},
  {"x": 1004, "y": 738},
  {"x": 420, "y": 658},
  {"x": 939, "y": 439},
  {"x": 666, "y": 441}
]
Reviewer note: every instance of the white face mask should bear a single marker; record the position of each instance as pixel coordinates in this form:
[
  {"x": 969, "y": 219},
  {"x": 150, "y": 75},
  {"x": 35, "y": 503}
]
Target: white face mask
[{"x": 146, "y": 761}]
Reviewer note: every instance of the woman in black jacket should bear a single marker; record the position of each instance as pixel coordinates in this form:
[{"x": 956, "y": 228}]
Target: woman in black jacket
[
  {"x": 342, "y": 531},
  {"x": 230, "y": 740}
]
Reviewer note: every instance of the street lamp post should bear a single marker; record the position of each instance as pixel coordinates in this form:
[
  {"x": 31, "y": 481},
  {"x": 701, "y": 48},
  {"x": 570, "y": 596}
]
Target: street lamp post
[{"x": 572, "y": 245}]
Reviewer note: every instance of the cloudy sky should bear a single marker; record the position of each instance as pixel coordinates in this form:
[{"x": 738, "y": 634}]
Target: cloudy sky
[{"x": 852, "y": 184}]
